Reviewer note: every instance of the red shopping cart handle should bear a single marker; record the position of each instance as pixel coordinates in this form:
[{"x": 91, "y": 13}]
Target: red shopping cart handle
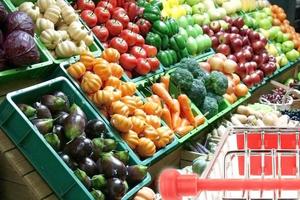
[{"x": 174, "y": 186}]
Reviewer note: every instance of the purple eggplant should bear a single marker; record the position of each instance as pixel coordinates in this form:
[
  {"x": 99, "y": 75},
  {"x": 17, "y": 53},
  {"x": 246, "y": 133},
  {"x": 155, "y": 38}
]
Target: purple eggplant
[
  {"x": 55, "y": 104},
  {"x": 28, "y": 110},
  {"x": 136, "y": 173},
  {"x": 3, "y": 63},
  {"x": 59, "y": 131},
  {"x": 42, "y": 110},
  {"x": 74, "y": 126},
  {"x": 43, "y": 125},
  {"x": 95, "y": 128},
  {"x": 60, "y": 117},
  {"x": 53, "y": 140},
  {"x": 79, "y": 148},
  {"x": 3, "y": 14},
  {"x": 1, "y": 38},
  {"x": 83, "y": 177},
  {"x": 76, "y": 110},
  {"x": 98, "y": 182},
  {"x": 63, "y": 96},
  {"x": 89, "y": 166},
  {"x": 116, "y": 188},
  {"x": 66, "y": 158},
  {"x": 98, "y": 195},
  {"x": 111, "y": 167}
]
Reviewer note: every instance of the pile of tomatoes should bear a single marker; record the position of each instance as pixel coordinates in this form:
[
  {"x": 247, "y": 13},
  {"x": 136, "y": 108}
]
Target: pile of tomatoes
[{"x": 118, "y": 25}]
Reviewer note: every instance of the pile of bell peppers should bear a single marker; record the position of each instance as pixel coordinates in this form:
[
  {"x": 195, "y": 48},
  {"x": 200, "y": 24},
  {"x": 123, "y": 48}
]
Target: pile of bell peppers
[{"x": 164, "y": 34}]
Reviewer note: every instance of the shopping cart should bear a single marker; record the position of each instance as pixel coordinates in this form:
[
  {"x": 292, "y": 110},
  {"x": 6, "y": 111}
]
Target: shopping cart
[{"x": 249, "y": 164}]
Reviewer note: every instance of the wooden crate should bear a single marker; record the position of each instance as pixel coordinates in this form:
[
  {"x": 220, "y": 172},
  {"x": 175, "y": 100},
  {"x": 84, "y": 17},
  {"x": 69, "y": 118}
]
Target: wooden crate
[{"x": 18, "y": 179}]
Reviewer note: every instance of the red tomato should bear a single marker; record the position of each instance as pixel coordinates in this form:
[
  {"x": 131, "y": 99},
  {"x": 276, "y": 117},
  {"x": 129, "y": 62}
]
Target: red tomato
[
  {"x": 122, "y": 17},
  {"x": 89, "y": 17},
  {"x": 133, "y": 27},
  {"x": 128, "y": 61},
  {"x": 101, "y": 33},
  {"x": 132, "y": 10},
  {"x": 119, "y": 44},
  {"x": 150, "y": 50},
  {"x": 154, "y": 63},
  {"x": 128, "y": 36},
  {"x": 114, "y": 27},
  {"x": 117, "y": 10},
  {"x": 102, "y": 14},
  {"x": 138, "y": 52},
  {"x": 142, "y": 66},
  {"x": 144, "y": 26},
  {"x": 140, "y": 41},
  {"x": 107, "y": 5},
  {"x": 112, "y": 2},
  {"x": 85, "y": 5}
]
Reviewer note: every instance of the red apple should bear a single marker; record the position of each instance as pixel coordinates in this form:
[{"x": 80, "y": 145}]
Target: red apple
[
  {"x": 232, "y": 57},
  {"x": 224, "y": 49},
  {"x": 244, "y": 31},
  {"x": 258, "y": 46},
  {"x": 228, "y": 19},
  {"x": 215, "y": 26},
  {"x": 205, "y": 28},
  {"x": 224, "y": 39},
  {"x": 249, "y": 68},
  {"x": 215, "y": 42},
  {"x": 234, "y": 29},
  {"x": 248, "y": 81},
  {"x": 240, "y": 57},
  {"x": 210, "y": 33},
  {"x": 236, "y": 44},
  {"x": 246, "y": 41},
  {"x": 241, "y": 70},
  {"x": 260, "y": 73},
  {"x": 255, "y": 78},
  {"x": 247, "y": 54},
  {"x": 265, "y": 58},
  {"x": 253, "y": 36},
  {"x": 238, "y": 22},
  {"x": 272, "y": 59}
]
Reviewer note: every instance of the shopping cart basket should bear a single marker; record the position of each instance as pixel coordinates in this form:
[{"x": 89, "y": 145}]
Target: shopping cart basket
[{"x": 249, "y": 164}]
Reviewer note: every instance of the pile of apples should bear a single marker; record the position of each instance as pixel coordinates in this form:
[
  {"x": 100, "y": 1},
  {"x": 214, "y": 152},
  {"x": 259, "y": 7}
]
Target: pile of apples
[
  {"x": 114, "y": 26},
  {"x": 245, "y": 47}
]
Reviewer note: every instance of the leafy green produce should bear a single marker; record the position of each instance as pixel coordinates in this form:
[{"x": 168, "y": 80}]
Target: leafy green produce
[
  {"x": 197, "y": 92},
  {"x": 210, "y": 106},
  {"x": 192, "y": 66},
  {"x": 182, "y": 78},
  {"x": 217, "y": 82},
  {"x": 215, "y": 96}
]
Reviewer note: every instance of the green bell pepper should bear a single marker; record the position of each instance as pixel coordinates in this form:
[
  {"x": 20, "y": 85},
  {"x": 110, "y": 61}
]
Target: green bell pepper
[
  {"x": 160, "y": 28},
  {"x": 174, "y": 56},
  {"x": 183, "y": 53},
  {"x": 157, "y": 3},
  {"x": 173, "y": 27},
  {"x": 151, "y": 13},
  {"x": 142, "y": 3},
  {"x": 165, "y": 42},
  {"x": 164, "y": 58},
  {"x": 177, "y": 42},
  {"x": 154, "y": 40}
]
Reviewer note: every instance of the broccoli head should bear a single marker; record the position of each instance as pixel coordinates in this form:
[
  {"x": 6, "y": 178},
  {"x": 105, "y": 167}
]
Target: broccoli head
[
  {"x": 182, "y": 78},
  {"x": 197, "y": 92},
  {"x": 192, "y": 66},
  {"x": 216, "y": 97},
  {"x": 210, "y": 106},
  {"x": 217, "y": 82}
]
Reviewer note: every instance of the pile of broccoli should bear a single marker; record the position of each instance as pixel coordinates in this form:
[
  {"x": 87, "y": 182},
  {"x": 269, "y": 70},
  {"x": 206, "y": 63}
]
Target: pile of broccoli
[{"x": 205, "y": 90}]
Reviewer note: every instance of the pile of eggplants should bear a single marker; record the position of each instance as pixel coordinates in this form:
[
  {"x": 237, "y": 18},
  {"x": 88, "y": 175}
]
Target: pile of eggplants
[{"x": 83, "y": 145}]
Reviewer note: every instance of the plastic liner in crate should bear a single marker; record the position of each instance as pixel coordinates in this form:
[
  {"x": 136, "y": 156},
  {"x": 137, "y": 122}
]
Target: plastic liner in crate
[
  {"x": 32, "y": 71},
  {"x": 61, "y": 71},
  {"x": 35, "y": 148},
  {"x": 94, "y": 48},
  {"x": 145, "y": 90}
]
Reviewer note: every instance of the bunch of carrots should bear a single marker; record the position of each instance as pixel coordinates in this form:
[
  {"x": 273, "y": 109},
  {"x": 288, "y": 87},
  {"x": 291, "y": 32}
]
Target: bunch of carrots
[
  {"x": 279, "y": 19},
  {"x": 176, "y": 113}
]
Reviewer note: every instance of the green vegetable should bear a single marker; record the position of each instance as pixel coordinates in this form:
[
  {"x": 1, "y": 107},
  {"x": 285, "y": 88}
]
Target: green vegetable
[
  {"x": 183, "y": 53},
  {"x": 151, "y": 13},
  {"x": 217, "y": 82},
  {"x": 98, "y": 182},
  {"x": 173, "y": 55},
  {"x": 154, "y": 40},
  {"x": 160, "y": 28},
  {"x": 173, "y": 27},
  {"x": 164, "y": 58},
  {"x": 98, "y": 195},
  {"x": 27, "y": 110},
  {"x": 210, "y": 106},
  {"x": 192, "y": 65},
  {"x": 197, "y": 92},
  {"x": 216, "y": 97},
  {"x": 157, "y": 3},
  {"x": 177, "y": 42},
  {"x": 53, "y": 140},
  {"x": 164, "y": 42},
  {"x": 199, "y": 165},
  {"x": 182, "y": 78}
]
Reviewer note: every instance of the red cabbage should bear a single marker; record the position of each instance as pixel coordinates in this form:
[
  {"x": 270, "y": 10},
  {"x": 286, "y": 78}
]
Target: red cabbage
[
  {"x": 3, "y": 14},
  {"x": 20, "y": 49},
  {"x": 19, "y": 21}
]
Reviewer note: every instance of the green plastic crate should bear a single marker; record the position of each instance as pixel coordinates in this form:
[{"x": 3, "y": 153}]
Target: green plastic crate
[
  {"x": 33, "y": 71},
  {"x": 61, "y": 71},
  {"x": 94, "y": 48},
  {"x": 35, "y": 148},
  {"x": 144, "y": 88}
]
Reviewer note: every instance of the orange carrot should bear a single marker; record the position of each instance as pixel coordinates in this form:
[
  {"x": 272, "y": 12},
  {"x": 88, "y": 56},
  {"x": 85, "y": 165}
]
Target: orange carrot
[
  {"x": 166, "y": 81},
  {"x": 176, "y": 120},
  {"x": 183, "y": 130},
  {"x": 185, "y": 108},
  {"x": 166, "y": 116},
  {"x": 156, "y": 99},
  {"x": 158, "y": 89},
  {"x": 200, "y": 119},
  {"x": 176, "y": 106},
  {"x": 185, "y": 122}
]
